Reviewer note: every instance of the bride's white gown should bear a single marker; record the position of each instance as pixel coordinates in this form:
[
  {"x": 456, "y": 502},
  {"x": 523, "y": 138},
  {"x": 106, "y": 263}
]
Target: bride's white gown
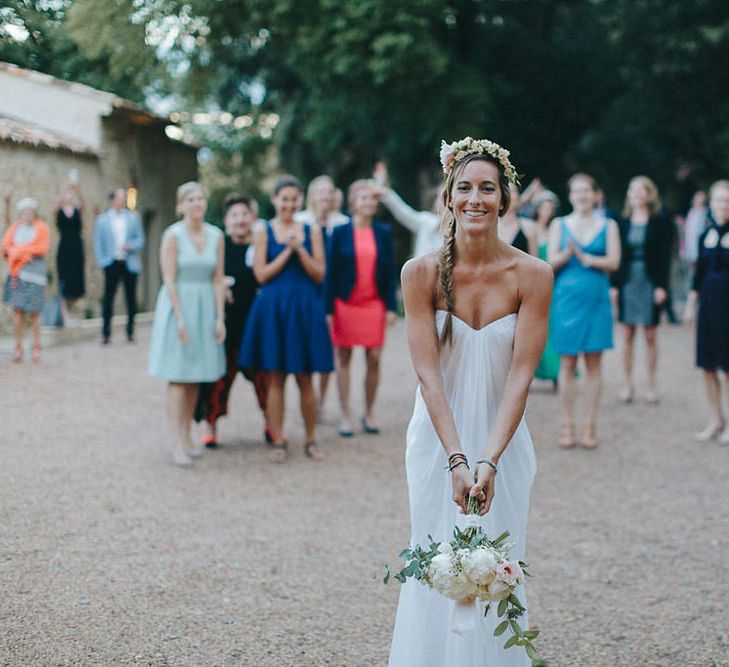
[{"x": 474, "y": 370}]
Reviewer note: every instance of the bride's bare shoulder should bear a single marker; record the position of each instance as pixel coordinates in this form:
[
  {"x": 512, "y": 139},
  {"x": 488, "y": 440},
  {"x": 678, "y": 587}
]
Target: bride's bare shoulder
[
  {"x": 534, "y": 275},
  {"x": 420, "y": 273}
]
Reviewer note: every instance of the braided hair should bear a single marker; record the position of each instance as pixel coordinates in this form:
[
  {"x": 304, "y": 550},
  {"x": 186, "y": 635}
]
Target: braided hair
[{"x": 447, "y": 255}]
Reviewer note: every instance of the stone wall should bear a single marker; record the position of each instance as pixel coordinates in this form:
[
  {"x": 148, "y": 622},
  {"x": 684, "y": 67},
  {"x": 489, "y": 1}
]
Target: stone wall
[{"x": 131, "y": 154}]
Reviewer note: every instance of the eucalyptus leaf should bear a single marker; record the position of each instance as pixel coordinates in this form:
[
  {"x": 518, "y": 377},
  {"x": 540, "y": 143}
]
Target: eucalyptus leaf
[
  {"x": 511, "y": 641},
  {"x": 502, "y": 607},
  {"x": 501, "y": 628}
]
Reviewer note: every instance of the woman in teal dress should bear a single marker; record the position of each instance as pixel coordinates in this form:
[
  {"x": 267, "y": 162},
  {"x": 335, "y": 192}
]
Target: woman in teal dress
[
  {"x": 188, "y": 330},
  {"x": 583, "y": 248},
  {"x": 546, "y": 205}
]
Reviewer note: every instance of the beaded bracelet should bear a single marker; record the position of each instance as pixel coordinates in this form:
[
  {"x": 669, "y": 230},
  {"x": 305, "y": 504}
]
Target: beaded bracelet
[{"x": 489, "y": 463}]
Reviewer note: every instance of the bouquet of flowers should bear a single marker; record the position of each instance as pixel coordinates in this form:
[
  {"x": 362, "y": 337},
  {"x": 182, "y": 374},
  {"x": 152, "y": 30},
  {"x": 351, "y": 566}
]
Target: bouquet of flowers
[{"x": 469, "y": 567}]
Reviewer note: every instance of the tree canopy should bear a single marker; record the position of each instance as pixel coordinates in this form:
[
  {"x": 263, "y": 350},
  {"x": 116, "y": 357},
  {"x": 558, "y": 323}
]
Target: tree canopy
[{"x": 615, "y": 88}]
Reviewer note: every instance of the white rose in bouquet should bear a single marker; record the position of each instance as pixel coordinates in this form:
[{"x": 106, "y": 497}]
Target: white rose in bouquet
[
  {"x": 447, "y": 581},
  {"x": 499, "y": 590},
  {"x": 445, "y": 548},
  {"x": 479, "y": 566}
]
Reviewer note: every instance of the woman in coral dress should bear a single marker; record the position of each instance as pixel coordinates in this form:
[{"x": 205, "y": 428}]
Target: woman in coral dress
[{"x": 360, "y": 291}]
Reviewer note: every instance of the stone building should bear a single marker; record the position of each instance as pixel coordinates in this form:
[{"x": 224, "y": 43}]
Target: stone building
[{"x": 49, "y": 127}]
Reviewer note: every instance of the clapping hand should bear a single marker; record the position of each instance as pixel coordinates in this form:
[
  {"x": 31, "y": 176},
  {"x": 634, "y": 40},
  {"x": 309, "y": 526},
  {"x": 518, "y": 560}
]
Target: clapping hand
[
  {"x": 583, "y": 257},
  {"x": 293, "y": 241}
]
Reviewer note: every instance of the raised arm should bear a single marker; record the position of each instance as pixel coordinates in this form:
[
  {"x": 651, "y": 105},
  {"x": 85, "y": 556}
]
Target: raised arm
[
  {"x": 530, "y": 337},
  {"x": 262, "y": 270},
  {"x": 404, "y": 214},
  {"x": 314, "y": 264},
  {"x": 418, "y": 289}
]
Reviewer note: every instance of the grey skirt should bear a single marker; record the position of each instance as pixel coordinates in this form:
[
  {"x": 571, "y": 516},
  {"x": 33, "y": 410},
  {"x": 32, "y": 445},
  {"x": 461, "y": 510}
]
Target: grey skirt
[
  {"x": 23, "y": 295},
  {"x": 638, "y": 307}
]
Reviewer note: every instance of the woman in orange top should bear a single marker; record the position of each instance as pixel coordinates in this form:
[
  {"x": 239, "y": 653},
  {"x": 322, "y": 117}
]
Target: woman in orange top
[{"x": 25, "y": 246}]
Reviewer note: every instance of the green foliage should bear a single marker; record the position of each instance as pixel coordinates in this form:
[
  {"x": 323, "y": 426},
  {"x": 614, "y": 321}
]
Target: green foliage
[
  {"x": 615, "y": 88},
  {"x": 94, "y": 42}
]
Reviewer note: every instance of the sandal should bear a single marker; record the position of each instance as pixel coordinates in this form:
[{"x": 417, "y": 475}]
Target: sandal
[
  {"x": 280, "y": 452},
  {"x": 626, "y": 396},
  {"x": 18, "y": 356},
  {"x": 312, "y": 451},
  {"x": 567, "y": 441},
  {"x": 372, "y": 430},
  {"x": 589, "y": 437},
  {"x": 36, "y": 356}
]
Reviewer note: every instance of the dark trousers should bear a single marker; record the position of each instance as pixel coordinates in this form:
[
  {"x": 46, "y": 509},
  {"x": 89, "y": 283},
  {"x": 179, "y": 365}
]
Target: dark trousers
[
  {"x": 114, "y": 273},
  {"x": 212, "y": 401}
]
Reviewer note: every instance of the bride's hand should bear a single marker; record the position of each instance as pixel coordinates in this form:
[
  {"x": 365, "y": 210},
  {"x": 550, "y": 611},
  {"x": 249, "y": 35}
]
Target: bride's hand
[
  {"x": 483, "y": 489},
  {"x": 462, "y": 480}
]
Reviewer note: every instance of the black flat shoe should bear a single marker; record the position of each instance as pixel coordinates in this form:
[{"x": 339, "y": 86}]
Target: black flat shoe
[
  {"x": 372, "y": 430},
  {"x": 345, "y": 434}
]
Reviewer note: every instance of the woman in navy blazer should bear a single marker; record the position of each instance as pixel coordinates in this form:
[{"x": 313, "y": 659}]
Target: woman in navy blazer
[{"x": 360, "y": 297}]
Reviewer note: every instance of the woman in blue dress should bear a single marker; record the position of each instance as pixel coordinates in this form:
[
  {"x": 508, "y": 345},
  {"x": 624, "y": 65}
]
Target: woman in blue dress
[
  {"x": 186, "y": 347},
  {"x": 286, "y": 331},
  {"x": 710, "y": 293},
  {"x": 583, "y": 248}
]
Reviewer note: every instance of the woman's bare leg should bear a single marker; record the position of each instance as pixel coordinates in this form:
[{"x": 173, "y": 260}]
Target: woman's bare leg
[
  {"x": 372, "y": 381},
  {"x": 626, "y": 395},
  {"x": 176, "y": 409},
  {"x": 713, "y": 395},
  {"x": 593, "y": 372},
  {"x": 651, "y": 344},
  {"x": 344, "y": 361},
  {"x": 567, "y": 370}
]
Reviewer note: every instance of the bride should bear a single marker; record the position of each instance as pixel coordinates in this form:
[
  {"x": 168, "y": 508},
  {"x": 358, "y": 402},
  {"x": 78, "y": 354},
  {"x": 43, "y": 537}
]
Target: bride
[{"x": 477, "y": 314}]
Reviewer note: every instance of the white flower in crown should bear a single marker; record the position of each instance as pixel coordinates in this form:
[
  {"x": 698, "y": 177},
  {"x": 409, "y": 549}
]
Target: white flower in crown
[{"x": 452, "y": 153}]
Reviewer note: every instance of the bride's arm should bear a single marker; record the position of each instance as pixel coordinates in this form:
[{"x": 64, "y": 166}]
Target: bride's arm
[
  {"x": 418, "y": 287},
  {"x": 535, "y": 284}
]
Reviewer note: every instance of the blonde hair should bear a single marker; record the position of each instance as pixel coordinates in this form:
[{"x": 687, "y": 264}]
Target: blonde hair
[
  {"x": 447, "y": 254},
  {"x": 311, "y": 190},
  {"x": 718, "y": 185},
  {"x": 654, "y": 201},
  {"x": 354, "y": 189},
  {"x": 184, "y": 190}
]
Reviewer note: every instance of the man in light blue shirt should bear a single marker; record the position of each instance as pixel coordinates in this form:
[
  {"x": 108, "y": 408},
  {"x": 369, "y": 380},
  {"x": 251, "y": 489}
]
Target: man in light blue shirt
[{"x": 118, "y": 240}]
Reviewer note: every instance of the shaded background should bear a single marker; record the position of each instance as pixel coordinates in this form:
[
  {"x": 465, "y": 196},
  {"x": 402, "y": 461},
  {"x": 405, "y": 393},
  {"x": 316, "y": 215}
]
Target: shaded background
[{"x": 616, "y": 88}]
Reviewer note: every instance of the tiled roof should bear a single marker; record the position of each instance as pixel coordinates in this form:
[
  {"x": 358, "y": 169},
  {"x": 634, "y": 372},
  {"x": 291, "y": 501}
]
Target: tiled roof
[{"x": 17, "y": 132}]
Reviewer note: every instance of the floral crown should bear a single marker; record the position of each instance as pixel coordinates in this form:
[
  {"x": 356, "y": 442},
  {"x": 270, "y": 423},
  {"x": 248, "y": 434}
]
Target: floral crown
[{"x": 452, "y": 153}]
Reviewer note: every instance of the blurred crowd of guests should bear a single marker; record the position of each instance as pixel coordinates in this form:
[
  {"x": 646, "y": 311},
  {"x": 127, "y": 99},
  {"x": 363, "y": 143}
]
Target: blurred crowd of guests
[{"x": 294, "y": 295}]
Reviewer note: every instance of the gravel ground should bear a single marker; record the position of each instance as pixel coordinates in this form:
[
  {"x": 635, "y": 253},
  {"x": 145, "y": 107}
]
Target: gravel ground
[{"x": 110, "y": 555}]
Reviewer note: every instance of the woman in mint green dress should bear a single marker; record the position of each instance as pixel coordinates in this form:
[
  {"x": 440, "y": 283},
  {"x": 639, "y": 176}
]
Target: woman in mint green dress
[
  {"x": 546, "y": 204},
  {"x": 186, "y": 347}
]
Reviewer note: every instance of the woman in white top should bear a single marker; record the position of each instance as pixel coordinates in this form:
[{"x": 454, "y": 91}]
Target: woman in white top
[
  {"x": 424, "y": 224},
  {"x": 323, "y": 205}
]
